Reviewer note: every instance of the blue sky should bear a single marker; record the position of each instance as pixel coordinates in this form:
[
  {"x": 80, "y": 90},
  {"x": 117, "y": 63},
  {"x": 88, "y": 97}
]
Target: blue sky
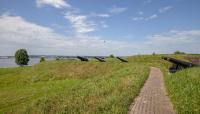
[{"x": 96, "y": 27}]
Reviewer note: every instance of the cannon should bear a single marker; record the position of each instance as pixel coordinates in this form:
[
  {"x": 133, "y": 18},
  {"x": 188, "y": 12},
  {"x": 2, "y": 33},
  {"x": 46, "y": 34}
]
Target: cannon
[
  {"x": 82, "y": 58},
  {"x": 178, "y": 64},
  {"x": 100, "y": 59},
  {"x": 122, "y": 60}
]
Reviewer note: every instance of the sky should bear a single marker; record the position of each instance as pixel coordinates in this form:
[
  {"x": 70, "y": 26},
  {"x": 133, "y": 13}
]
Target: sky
[{"x": 99, "y": 27}]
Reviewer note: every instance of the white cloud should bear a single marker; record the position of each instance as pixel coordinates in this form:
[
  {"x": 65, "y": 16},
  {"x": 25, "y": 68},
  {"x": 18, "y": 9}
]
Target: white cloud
[
  {"x": 80, "y": 23},
  {"x": 140, "y": 12},
  {"x": 103, "y": 24},
  {"x": 54, "y": 3},
  {"x": 117, "y": 10},
  {"x": 187, "y": 41},
  {"x": 147, "y": 1},
  {"x": 16, "y": 32},
  {"x": 165, "y": 9},
  {"x": 19, "y": 33},
  {"x": 138, "y": 18},
  {"x": 103, "y": 15},
  {"x": 154, "y": 16}
]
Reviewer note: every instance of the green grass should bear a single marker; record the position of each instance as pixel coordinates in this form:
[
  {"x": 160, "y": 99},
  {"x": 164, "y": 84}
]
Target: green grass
[
  {"x": 71, "y": 87},
  {"x": 184, "y": 90},
  {"x": 183, "y": 87},
  {"x": 74, "y": 87}
]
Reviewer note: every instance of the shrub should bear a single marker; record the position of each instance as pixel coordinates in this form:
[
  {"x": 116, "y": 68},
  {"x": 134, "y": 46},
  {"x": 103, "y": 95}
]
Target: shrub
[
  {"x": 21, "y": 57},
  {"x": 179, "y": 52},
  {"x": 42, "y": 59},
  {"x": 112, "y": 56},
  {"x": 57, "y": 58}
]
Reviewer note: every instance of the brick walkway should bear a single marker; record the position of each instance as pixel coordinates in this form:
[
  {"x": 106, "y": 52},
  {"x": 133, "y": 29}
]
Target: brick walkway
[{"x": 153, "y": 98}]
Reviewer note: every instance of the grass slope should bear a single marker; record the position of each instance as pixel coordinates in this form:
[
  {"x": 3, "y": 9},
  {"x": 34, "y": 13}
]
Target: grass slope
[
  {"x": 184, "y": 90},
  {"x": 71, "y": 87},
  {"x": 183, "y": 87}
]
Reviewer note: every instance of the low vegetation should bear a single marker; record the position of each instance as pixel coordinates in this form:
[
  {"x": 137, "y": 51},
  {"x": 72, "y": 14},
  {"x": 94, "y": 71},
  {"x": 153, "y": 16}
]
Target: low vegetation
[
  {"x": 42, "y": 59},
  {"x": 183, "y": 87},
  {"x": 74, "y": 87},
  {"x": 71, "y": 87},
  {"x": 184, "y": 90},
  {"x": 179, "y": 52}
]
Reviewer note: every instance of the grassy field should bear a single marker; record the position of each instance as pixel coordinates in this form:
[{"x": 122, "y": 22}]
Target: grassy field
[
  {"x": 71, "y": 87},
  {"x": 183, "y": 87},
  {"x": 184, "y": 90},
  {"x": 74, "y": 87}
]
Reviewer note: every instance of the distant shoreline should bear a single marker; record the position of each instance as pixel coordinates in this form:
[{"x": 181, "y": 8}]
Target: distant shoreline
[{"x": 49, "y": 56}]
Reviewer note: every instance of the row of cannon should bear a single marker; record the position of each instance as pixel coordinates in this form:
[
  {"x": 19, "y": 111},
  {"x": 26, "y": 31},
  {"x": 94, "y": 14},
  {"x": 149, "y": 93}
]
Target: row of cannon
[
  {"x": 176, "y": 64},
  {"x": 100, "y": 59}
]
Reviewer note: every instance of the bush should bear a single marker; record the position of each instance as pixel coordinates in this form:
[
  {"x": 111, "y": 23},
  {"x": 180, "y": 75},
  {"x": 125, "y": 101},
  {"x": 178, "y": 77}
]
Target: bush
[
  {"x": 57, "y": 58},
  {"x": 21, "y": 57},
  {"x": 42, "y": 59},
  {"x": 112, "y": 56},
  {"x": 179, "y": 52}
]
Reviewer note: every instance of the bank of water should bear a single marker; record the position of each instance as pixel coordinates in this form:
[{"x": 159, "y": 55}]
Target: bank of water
[{"x": 10, "y": 62}]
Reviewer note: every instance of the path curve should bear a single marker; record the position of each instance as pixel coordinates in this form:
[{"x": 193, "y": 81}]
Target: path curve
[{"x": 153, "y": 98}]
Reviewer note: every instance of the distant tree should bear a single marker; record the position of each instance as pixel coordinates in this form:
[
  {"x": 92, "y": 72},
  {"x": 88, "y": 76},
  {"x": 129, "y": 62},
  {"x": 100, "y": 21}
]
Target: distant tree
[
  {"x": 57, "y": 58},
  {"x": 21, "y": 57},
  {"x": 112, "y": 56},
  {"x": 179, "y": 52},
  {"x": 42, "y": 59},
  {"x": 153, "y": 53}
]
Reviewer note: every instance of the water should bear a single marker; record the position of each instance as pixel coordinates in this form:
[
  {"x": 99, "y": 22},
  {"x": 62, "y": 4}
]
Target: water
[
  {"x": 6, "y": 62},
  {"x": 10, "y": 62}
]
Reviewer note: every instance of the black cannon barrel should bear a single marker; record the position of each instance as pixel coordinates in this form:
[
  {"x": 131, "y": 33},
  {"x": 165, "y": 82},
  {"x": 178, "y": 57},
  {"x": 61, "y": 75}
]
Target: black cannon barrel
[
  {"x": 179, "y": 62},
  {"x": 99, "y": 59},
  {"x": 102, "y": 57},
  {"x": 82, "y": 58},
  {"x": 122, "y": 60}
]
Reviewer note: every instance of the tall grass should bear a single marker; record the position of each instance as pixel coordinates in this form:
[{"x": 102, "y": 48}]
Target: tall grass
[
  {"x": 74, "y": 87},
  {"x": 183, "y": 87},
  {"x": 184, "y": 90},
  {"x": 71, "y": 87}
]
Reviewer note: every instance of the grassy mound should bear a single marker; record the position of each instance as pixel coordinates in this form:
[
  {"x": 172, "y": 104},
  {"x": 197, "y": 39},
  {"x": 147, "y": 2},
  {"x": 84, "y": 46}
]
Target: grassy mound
[
  {"x": 183, "y": 87},
  {"x": 71, "y": 87},
  {"x": 74, "y": 87},
  {"x": 184, "y": 90}
]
